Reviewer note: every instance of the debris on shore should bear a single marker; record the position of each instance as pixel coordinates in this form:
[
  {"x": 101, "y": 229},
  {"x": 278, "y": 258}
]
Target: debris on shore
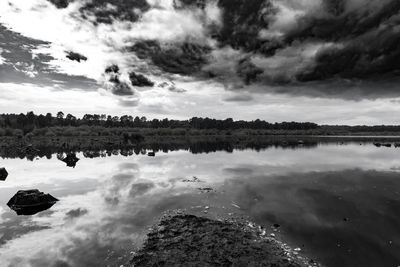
[
  {"x": 29, "y": 202},
  {"x": 188, "y": 240}
]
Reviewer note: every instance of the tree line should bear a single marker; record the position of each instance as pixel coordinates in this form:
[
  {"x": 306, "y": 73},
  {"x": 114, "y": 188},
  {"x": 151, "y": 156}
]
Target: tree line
[{"x": 30, "y": 121}]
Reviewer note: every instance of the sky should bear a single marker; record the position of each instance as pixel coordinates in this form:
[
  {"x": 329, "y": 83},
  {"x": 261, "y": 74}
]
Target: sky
[{"x": 325, "y": 61}]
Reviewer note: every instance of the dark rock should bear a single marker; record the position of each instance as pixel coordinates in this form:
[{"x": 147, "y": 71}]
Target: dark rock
[
  {"x": 75, "y": 56},
  {"x": 29, "y": 202},
  {"x": 3, "y": 174},
  {"x": 151, "y": 154}
]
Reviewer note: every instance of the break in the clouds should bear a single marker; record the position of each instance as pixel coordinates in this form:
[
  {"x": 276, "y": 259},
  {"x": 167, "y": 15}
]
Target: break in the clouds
[{"x": 170, "y": 49}]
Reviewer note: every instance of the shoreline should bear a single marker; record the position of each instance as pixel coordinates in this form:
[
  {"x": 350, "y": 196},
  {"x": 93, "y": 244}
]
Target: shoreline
[{"x": 94, "y": 146}]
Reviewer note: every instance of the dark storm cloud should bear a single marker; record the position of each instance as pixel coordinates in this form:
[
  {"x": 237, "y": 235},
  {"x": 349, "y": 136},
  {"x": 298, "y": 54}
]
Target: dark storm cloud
[
  {"x": 140, "y": 80},
  {"x": 106, "y": 11},
  {"x": 369, "y": 47},
  {"x": 361, "y": 48},
  {"x": 186, "y": 58},
  {"x": 21, "y": 65}
]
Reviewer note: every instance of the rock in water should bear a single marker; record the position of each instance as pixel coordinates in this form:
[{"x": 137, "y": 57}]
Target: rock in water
[
  {"x": 29, "y": 202},
  {"x": 3, "y": 174}
]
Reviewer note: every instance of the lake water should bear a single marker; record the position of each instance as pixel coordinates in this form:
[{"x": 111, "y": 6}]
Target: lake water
[{"x": 339, "y": 203}]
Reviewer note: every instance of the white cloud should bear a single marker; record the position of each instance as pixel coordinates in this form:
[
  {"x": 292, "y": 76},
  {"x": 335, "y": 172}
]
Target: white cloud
[
  {"x": 66, "y": 31},
  {"x": 105, "y": 43}
]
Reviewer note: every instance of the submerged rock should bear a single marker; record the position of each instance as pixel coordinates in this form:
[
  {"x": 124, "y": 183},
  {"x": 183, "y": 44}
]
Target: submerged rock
[
  {"x": 29, "y": 202},
  {"x": 188, "y": 240},
  {"x": 3, "y": 174},
  {"x": 377, "y": 144}
]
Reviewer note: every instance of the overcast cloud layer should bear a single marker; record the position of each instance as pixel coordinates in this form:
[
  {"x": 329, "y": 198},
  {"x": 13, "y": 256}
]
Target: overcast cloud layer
[{"x": 329, "y": 61}]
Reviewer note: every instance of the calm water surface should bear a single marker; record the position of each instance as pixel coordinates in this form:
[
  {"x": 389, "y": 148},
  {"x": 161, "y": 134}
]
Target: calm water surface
[{"x": 339, "y": 203}]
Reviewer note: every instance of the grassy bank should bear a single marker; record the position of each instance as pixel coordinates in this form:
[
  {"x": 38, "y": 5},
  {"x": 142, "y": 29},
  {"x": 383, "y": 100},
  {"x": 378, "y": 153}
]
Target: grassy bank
[{"x": 127, "y": 132}]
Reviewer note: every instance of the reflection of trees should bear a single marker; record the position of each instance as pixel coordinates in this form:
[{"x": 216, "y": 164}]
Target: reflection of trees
[
  {"x": 70, "y": 159},
  {"x": 93, "y": 150}
]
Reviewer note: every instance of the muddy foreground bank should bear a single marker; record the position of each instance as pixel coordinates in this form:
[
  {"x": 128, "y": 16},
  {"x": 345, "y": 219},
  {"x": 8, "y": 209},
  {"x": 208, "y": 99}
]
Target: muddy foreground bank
[{"x": 188, "y": 240}]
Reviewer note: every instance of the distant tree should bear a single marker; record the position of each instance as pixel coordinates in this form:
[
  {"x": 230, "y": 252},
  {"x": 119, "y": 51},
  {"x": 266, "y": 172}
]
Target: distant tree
[{"x": 60, "y": 115}]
